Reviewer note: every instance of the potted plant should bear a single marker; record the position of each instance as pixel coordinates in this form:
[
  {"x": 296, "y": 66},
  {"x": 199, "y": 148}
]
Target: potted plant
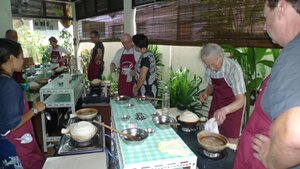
[{"x": 184, "y": 90}]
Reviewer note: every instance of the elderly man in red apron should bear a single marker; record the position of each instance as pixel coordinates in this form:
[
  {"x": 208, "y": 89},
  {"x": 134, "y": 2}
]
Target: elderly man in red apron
[
  {"x": 271, "y": 137},
  {"x": 125, "y": 60},
  {"x": 226, "y": 84},
  {"x": 96, "y": 65}
]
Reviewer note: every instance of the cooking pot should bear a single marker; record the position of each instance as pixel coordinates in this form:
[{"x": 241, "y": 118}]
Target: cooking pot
[
  {"x": 81, "y": 132},
  {"x": 85, "y": 114},
  {"x": 95, "y": 83},
  {"x": 188, "y": 120},
  {"x": 212, "y": 142}
]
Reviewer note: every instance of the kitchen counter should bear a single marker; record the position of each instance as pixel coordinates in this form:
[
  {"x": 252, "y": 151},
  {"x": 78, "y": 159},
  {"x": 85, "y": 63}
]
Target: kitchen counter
[
  {"x": 82, "y": 161},
  {"x": 148, "y": 154}
]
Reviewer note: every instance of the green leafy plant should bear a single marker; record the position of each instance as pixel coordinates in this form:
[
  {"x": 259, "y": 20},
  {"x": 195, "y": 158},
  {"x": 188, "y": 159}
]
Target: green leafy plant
[
  {"x": 67, "y": 40},
  {"x": 158, "y": 60},
  {"x": 254, "y": 63},
  {"x": 184, "y": 89},
  {"x": 84, "y": 61},
  {"x": 31, "y": 43}
]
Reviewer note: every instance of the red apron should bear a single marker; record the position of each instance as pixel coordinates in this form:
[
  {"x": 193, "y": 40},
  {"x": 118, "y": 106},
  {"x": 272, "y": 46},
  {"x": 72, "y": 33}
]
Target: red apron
[
  {"x": 55, "y": 58},
  {"x": 93, "y": 69},
  {"x": 27, "y": 149},
  {"x": 124, "y": 87},
  {"x": 259, "y": 122},
  {"x": 223, "y": 96}
]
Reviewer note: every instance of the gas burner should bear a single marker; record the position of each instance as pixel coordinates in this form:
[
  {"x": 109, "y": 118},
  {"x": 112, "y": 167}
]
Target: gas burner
[
  {"x": 90, "y": 142},
  {"x": 186, "y": 129},
  {"x": 212, "y": 156},
  {"x": 67, "y": 146}
]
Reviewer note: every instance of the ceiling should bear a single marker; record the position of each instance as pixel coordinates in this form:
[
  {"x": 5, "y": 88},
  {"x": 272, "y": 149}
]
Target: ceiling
[{"x": 51, "y": 9}]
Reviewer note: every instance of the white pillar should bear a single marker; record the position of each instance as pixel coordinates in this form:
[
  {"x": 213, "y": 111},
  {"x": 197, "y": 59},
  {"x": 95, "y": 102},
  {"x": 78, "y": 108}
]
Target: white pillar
[
  {"x": 129, "y": 18},
  {"x": 76, "y": 38},
  {"x": 5, "y": 17}
]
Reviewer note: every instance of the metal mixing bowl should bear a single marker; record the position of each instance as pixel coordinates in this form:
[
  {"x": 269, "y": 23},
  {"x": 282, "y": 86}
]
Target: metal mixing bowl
[
  {"x": 122, "y": 99},
  {"x": 142, "y": 100},
  {"x": 163, "y": 121},
  {"x": 139, "y": 133}
]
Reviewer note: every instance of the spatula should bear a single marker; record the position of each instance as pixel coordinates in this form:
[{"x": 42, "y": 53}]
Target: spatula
[{"x": 130, "y": 137}]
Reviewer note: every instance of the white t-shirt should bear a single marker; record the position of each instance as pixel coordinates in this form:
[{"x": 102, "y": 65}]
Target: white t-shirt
[{"x": 122, "y": 51}]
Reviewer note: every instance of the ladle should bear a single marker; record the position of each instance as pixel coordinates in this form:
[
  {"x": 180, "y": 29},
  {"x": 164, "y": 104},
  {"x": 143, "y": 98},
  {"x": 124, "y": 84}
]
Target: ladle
[{"x": 130, "y": 137}]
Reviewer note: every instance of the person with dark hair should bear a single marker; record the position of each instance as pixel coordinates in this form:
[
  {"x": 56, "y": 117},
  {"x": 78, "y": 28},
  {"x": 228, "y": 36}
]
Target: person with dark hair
[
  {"x": 125, "y": 59},
  {"x": 145, "y": 69},
  {"x": 96, "y": 65},
  {"x": 11, "y": 34},
  {"x": 55, "y": 52},
  {"x": 18, "y": 146},
  {"x": 271, "y": 137}
]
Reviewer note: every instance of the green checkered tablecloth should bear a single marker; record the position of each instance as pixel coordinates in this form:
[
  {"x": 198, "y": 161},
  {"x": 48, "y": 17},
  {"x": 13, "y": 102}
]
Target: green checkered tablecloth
[{"x": 147, "y": 154}]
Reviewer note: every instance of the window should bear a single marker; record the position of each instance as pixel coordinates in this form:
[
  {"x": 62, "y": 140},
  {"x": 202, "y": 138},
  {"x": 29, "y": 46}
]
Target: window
[{"x": 44, "y": 25}]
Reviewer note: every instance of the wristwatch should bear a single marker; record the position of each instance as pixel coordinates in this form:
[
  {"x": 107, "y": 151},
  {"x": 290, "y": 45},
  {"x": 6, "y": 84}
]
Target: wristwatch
[{"x": 34, "y": 111}]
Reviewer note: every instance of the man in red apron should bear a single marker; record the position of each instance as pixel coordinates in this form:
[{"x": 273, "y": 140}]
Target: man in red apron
[
  {"x": 226, "y": 84},
  {"x": 125, "y": 60},
  {"x": 271, "y": 137},
  {"x": 96, "y": 65}
]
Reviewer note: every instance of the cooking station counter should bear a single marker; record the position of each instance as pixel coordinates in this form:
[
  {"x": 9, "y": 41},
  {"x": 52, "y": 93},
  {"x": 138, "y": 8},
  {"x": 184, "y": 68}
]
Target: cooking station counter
[
  {"x": 224, "y": 161},
  {"x": 148, "y": 154},
  {"x": 81, "y": 161}
]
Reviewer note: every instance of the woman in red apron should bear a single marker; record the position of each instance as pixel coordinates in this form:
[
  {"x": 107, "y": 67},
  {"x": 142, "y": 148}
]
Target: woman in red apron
[
  {"x": 16, "y": 129},
  {"x": 55, "y": 52},
  {"x": 126, "y": 82},
  {"x": 259, "y": 122}
]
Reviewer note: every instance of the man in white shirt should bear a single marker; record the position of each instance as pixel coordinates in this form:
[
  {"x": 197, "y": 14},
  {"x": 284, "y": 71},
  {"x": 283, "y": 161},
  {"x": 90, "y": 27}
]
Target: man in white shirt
[{"x": 124, "y": 62}]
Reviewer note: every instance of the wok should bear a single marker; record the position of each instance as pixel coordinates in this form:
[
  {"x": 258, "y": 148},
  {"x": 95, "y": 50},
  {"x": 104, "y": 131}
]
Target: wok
[
  {"x": 85, "y": 114},
  {"x": 212, "y": 142}
]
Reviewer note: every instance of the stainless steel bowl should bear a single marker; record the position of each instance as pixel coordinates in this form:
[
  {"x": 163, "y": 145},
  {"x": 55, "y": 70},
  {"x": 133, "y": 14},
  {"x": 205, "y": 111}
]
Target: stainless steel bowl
[
  {"x": 122, "y": 99},
  {"x": 125, "y": 117},
  {"x": 142, "y": 100},
  {"x": 163, "y": 121},
  {"x": 139, "y": 133}
]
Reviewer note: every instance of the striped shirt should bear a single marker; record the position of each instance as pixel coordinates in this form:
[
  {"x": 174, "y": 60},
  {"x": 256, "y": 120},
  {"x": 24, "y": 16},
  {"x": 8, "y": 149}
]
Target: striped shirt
[{"x": 232, "y": 73}]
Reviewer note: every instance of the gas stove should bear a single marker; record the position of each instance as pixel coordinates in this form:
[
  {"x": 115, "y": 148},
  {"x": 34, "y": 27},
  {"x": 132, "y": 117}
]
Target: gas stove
[
  {"x": 67, "y": 146},
  {"x": 96, "y": 95},
  {"x": 207, "y": 160}
]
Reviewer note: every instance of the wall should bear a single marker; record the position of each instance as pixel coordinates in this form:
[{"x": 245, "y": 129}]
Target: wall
[{"x": 5, "y": 17}]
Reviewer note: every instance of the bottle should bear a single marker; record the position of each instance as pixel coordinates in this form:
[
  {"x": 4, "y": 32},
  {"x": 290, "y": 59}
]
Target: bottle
[
  {"x": 25, "y": 87},
  {"x": 166, "y": 102}
]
